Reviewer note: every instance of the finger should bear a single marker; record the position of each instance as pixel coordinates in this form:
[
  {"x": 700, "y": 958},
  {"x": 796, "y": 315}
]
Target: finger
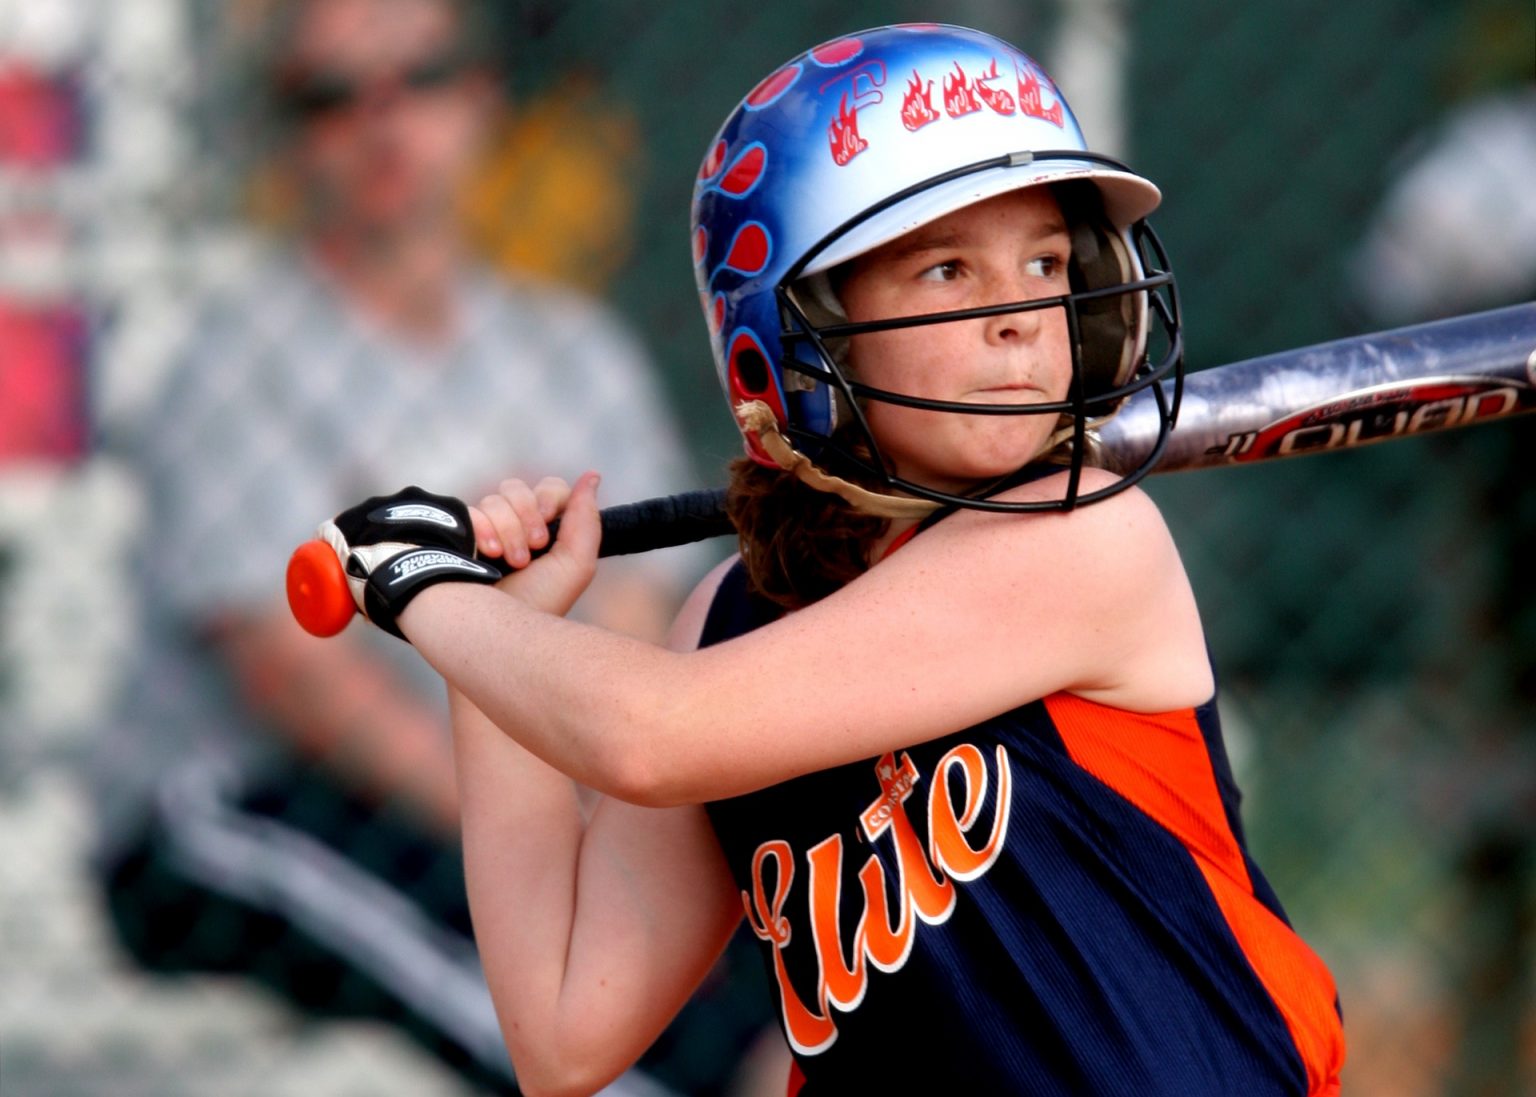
[
  {"x": 551, "y": 494},
  {"x": 508, "y": 528},
  {"x": 581, "y": 529},
  {"x": 526, "y": 505},
  {"x": 486, "y": 541}
]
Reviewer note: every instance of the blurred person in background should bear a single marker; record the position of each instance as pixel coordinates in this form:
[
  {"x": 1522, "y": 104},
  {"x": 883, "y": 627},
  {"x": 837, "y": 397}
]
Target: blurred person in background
[
  {"x": 284, "y": 807},
  {"x": 1455, "y": 231}
]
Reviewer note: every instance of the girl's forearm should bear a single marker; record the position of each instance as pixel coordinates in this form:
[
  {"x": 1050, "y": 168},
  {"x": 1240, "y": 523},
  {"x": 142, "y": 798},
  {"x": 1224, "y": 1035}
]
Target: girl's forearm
[
  {"x": 592, "y": 932},
  {"x": 531, "y": 674},
  {"x": 522, "y": 830},
  {"x": 522, "y": 835}
]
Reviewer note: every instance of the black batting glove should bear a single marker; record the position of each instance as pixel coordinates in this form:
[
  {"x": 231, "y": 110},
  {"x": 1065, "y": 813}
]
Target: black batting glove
[{"x": 393, "y": 547}]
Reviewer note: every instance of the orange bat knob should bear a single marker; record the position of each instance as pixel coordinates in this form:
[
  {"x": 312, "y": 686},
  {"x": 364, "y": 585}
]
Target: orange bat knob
[{"x": 317, "y": 590}]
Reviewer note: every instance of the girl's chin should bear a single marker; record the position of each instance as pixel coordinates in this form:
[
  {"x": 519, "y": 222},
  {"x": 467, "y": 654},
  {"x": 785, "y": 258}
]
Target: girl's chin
[
  {"x": 969, "y": 464},
  {"x": 968, "y": 485}
]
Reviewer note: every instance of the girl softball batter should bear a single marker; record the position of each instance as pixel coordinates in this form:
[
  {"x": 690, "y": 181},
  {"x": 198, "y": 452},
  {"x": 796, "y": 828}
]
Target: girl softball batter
[{"x": 945, "y": 731}]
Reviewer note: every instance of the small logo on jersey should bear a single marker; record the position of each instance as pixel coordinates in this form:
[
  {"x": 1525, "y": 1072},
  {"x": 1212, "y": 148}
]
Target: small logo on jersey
[
  {"x": 419, "y": 512},
  {"x": 924, "y": 888}
]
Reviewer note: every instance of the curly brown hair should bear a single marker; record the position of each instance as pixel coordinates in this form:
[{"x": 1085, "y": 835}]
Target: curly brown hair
[{"x": 798, "y": 544}]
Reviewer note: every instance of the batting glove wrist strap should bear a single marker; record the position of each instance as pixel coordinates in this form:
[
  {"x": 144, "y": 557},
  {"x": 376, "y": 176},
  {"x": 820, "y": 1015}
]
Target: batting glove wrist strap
[{"x": 393, "y": 547}]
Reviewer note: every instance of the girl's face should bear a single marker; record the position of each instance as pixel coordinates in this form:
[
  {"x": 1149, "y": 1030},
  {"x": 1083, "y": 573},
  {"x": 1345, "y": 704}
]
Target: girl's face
[{"x": 1013, "y": 247}]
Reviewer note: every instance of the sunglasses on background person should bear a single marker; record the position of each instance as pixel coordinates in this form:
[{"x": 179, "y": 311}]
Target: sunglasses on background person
[{"x": 315, "y": 94}]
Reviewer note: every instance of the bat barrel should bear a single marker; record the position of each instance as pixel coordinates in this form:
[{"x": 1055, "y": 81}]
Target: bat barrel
[{"x": 1347, "y": 393}]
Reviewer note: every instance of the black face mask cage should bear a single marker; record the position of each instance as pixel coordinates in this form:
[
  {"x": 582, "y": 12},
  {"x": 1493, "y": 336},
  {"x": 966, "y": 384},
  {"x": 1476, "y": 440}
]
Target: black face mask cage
[{"x": 1082, "y": 407}]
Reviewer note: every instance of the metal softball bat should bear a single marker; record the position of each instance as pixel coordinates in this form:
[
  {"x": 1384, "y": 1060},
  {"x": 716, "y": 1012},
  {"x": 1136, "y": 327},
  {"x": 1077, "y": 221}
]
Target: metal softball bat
[
  {"x": 1332, "y": 396},
  {"x": 1339, "y": 395}
]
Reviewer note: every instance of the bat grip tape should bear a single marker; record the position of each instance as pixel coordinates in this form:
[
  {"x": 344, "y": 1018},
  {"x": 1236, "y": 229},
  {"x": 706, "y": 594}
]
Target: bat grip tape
[{"x": 658, "y": 523}]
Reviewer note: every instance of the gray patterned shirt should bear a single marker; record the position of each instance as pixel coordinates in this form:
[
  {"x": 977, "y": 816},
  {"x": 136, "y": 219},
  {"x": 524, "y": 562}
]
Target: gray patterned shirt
[{"x": 285, "y": 406}]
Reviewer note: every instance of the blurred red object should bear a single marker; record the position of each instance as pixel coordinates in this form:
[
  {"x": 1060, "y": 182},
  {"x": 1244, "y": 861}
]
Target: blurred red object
[
  {"x": 40, "y": 121},
  {"x": 42, "y": 383}
]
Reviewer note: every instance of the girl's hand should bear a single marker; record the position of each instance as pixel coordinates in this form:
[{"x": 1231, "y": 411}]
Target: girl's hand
[{"x": 514, "y": 522}]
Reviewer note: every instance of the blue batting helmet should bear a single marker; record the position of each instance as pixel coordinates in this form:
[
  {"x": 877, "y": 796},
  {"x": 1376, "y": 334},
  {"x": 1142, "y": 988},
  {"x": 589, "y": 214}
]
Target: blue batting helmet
[{"x": 865, "y": 138}]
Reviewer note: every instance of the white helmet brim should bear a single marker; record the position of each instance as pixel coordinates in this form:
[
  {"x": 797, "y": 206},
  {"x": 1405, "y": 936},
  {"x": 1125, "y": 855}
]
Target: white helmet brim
[{"x": 1127, "y": 199}]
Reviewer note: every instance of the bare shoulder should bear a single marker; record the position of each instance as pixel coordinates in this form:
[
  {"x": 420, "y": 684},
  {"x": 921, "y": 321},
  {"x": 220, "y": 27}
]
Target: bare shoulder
[
  {"x": 1103, "y": 582},
  {"x": 1124, "y": 533},
  {"x": 689, "y": 623}
]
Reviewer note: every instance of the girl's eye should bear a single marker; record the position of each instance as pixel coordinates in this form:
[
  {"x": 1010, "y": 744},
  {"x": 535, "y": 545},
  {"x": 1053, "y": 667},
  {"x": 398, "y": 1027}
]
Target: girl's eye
[
  {"x": 941, "y": 272},
  {"x": 1045, "y": 266}
]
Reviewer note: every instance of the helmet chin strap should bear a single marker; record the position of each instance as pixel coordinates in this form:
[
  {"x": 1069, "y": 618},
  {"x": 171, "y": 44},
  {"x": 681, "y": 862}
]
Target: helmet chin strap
[{"x": 758, "y": 418}]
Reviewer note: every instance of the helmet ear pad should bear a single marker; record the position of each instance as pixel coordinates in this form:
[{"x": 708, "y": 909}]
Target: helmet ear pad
[
  {"x": 818, "y": 302},
  {"x": 1112, "y": 329}
]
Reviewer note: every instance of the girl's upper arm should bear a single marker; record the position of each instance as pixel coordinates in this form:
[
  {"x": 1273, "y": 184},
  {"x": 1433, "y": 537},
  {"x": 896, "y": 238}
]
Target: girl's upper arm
[{"x": 978, "y": 615}]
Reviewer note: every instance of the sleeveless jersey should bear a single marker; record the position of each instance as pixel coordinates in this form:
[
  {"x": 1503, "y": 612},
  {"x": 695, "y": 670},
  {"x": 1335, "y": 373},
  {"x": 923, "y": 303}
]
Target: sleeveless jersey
[{"x": 1057, "y": 901}]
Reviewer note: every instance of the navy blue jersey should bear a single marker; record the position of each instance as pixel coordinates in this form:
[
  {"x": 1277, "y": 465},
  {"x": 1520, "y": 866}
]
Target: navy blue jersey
[{"x": 1055, "y": 901}]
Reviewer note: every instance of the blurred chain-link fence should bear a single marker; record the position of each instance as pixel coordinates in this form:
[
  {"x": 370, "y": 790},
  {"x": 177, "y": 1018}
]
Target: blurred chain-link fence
[{"x": 1328, "y": 169}]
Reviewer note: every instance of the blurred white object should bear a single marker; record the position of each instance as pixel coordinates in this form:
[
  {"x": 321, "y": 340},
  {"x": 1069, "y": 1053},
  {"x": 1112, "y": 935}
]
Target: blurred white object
[
  {"x": 1091, "y": 44},
  {"x": 50, "y": 34},
  {"x": 1457, "y": 232}
]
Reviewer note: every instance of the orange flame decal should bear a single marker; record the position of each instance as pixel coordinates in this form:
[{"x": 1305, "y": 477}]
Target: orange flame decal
[
  {"x": 843, "y": 134},
  {"x": 1000, "y": 101},
  {"x": 959, "y": 96},
  {"x": 917, "y": 106},
  {"x": 1032, "y": 100}
]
